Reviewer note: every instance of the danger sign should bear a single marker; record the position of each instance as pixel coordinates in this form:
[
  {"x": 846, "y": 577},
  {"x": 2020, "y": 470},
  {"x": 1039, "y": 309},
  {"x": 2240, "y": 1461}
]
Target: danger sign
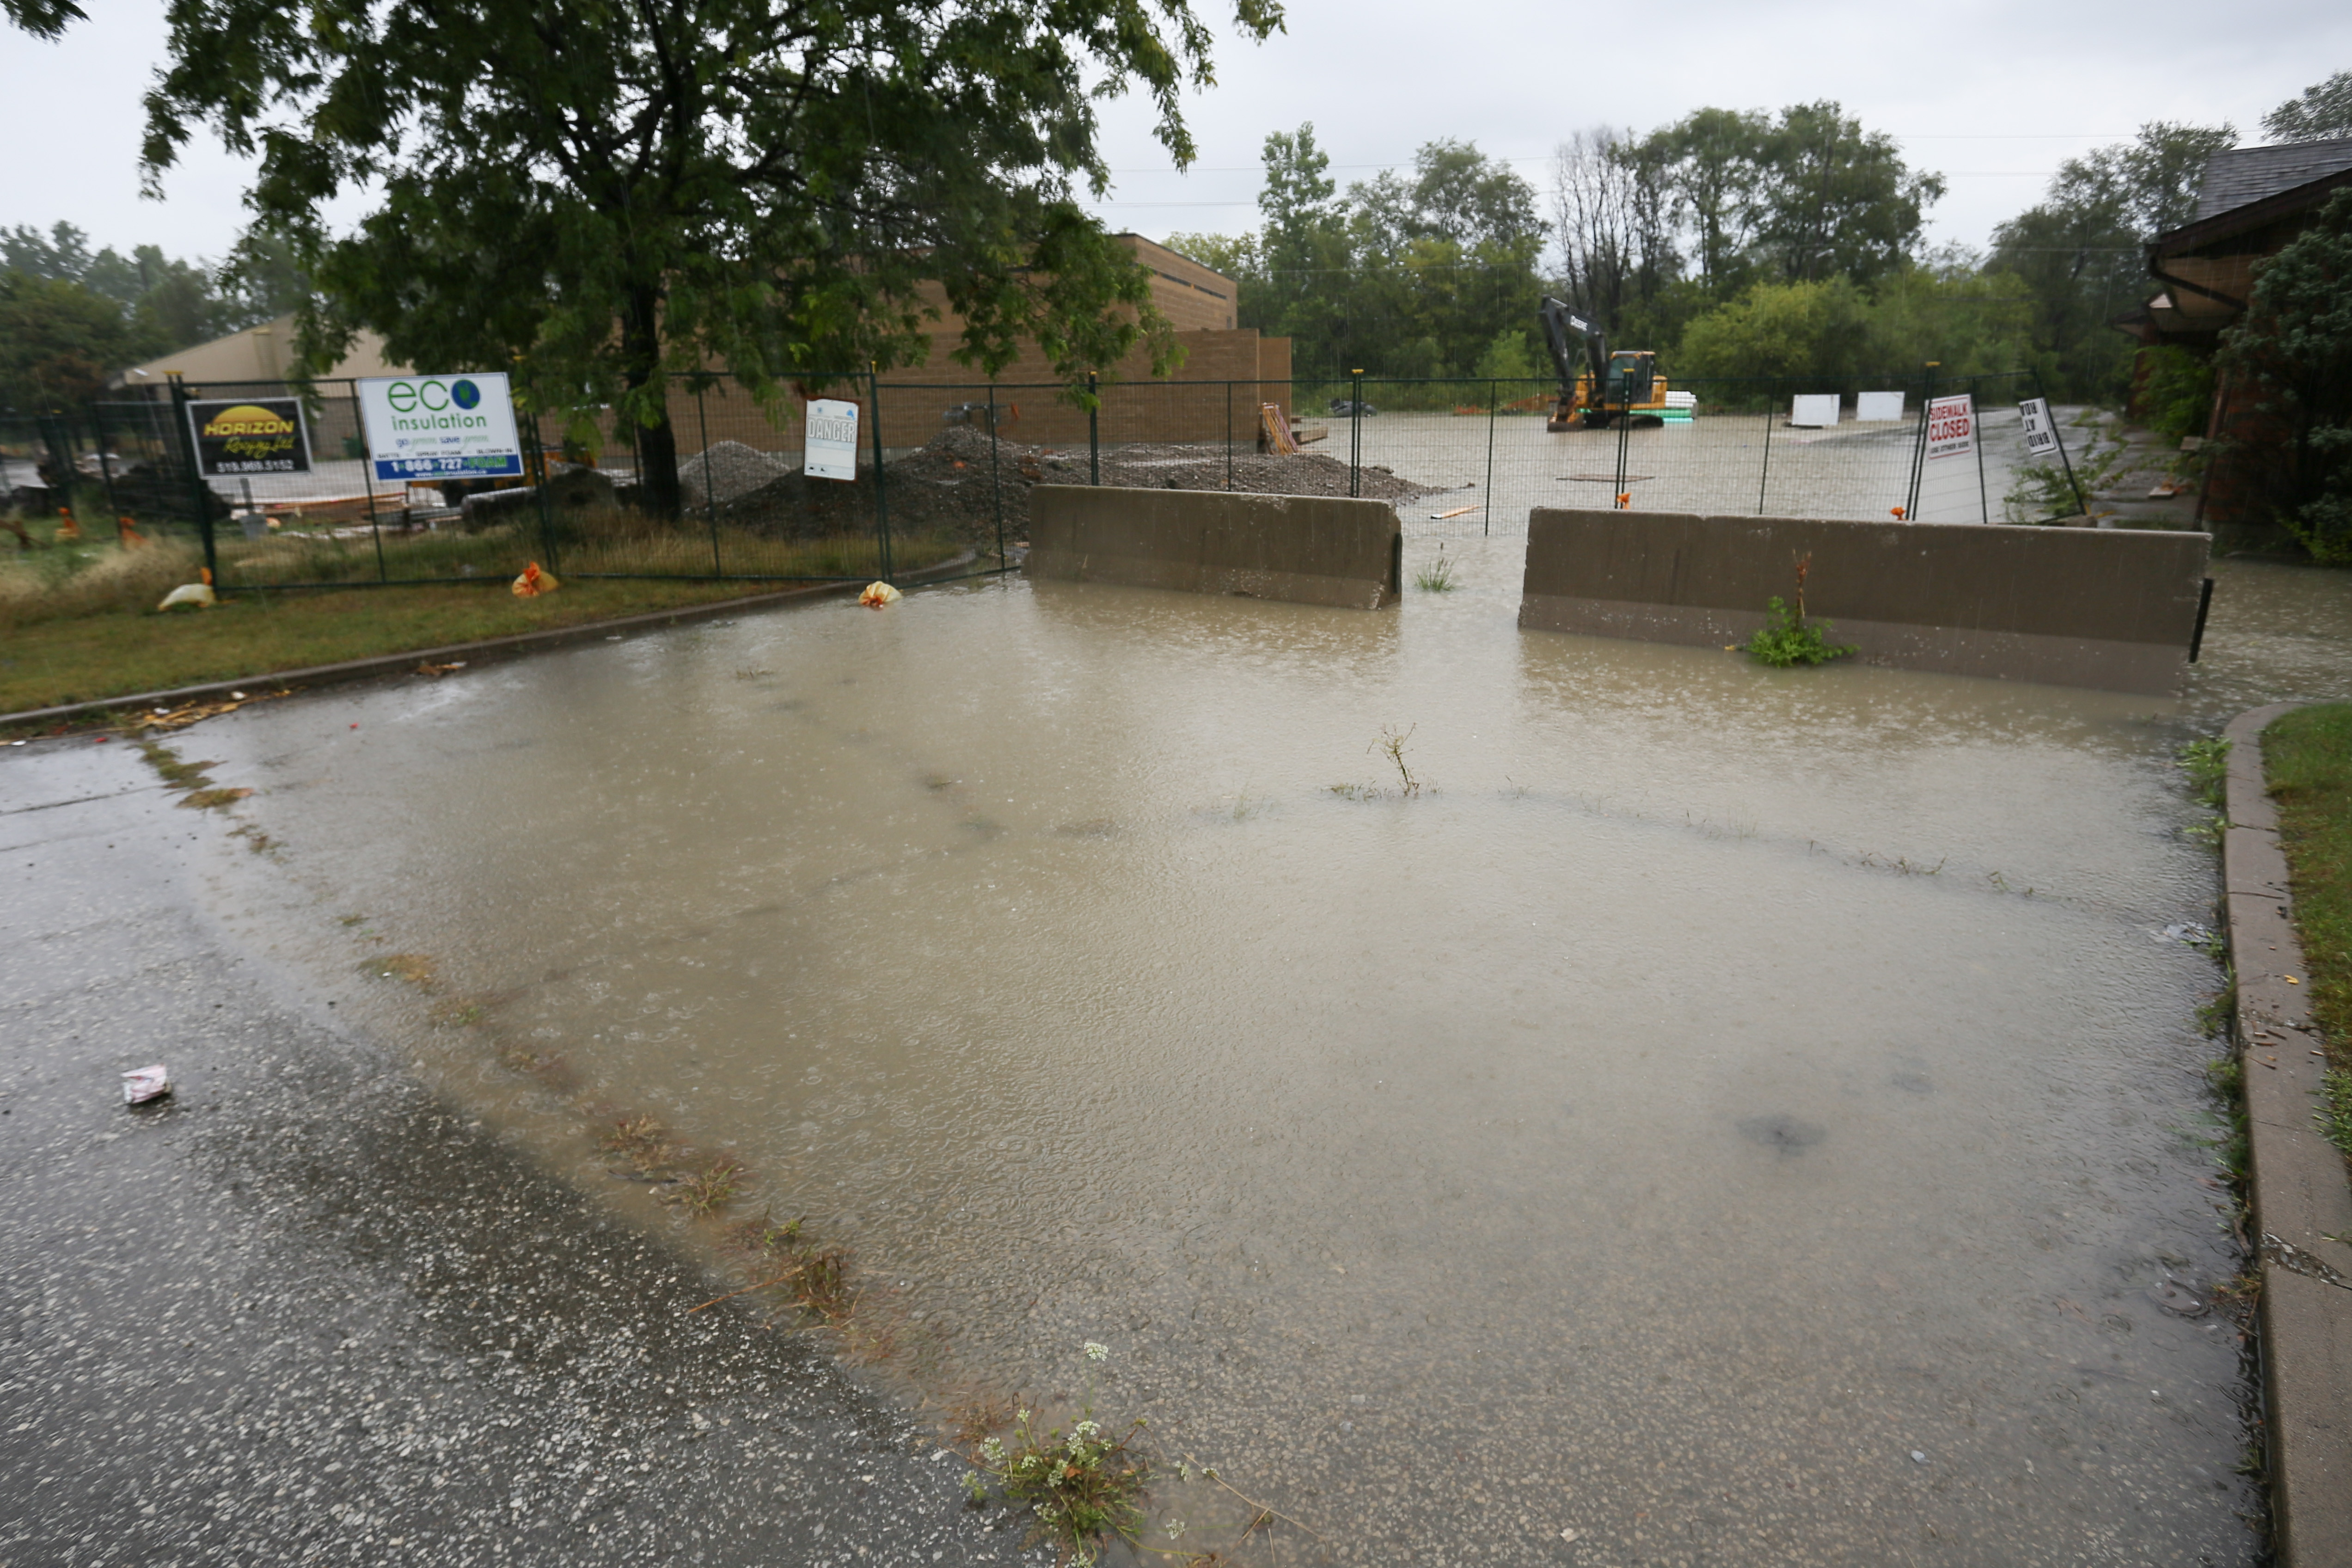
[{"x": 1951, "y": 426}]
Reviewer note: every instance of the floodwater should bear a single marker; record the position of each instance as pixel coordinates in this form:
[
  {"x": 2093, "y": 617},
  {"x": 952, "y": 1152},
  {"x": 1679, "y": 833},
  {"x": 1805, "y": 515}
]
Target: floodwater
[{"x": 1732, "y": 1116}]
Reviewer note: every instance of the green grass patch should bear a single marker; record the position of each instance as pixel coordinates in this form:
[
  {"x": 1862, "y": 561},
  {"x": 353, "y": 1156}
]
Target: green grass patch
[
  {"x": 110, "y": 641},
  {"x": 2308, "y": 757}
]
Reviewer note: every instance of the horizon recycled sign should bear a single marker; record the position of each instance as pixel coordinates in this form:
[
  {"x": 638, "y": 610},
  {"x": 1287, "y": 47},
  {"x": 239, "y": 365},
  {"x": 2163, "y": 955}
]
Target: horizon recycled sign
[
  {"x": 250, "y": 436},
  {"x": 440, "y": 426}
]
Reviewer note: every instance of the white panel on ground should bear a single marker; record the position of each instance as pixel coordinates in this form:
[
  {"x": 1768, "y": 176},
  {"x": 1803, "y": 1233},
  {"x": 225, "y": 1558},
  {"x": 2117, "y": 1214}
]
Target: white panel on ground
[
  {"x": 1814, "y": 411},
  {"x": 1873, "y": 405}
]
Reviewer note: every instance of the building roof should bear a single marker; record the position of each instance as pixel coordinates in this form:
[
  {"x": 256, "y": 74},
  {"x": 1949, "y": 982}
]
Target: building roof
[
  {"x": 2243, "y": 175},
  {"x": 257, "y": 353}
]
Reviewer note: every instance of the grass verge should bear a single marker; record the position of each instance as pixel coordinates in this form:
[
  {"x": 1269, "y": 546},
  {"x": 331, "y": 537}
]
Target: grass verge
[
  {"x": 2307, "y": 755},
  {"x": 117, "y": 653}
]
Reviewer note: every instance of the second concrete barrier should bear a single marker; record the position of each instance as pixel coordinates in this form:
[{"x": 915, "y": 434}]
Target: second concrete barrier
[
  {"x": 1308, "y": 549},
  {"x": 2114, "y": 608}
]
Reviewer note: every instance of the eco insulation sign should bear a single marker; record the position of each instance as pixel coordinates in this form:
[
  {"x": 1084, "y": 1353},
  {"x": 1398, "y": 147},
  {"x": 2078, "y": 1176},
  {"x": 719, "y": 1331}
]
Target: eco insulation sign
[
  {"x": 1951, "y": 426},
  {"x": 250, "y": 436},
  {"x": 830, "y": 451},
  {"x": 440, "y": 426}
]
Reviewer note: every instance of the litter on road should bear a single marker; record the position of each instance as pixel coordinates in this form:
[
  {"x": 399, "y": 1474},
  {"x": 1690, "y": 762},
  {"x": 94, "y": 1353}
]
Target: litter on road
[{"x": 145, "y": 1084}]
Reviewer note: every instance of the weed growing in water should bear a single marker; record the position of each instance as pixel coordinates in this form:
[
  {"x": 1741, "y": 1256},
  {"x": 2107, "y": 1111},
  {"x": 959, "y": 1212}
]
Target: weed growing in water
[
  {"x": 708, "y": 1190},
  {"x": 1391, "y": 745},
  {"x": 1788, "y": 639},
  {"x": 2206, "y": 763},
  {"x": 1082, "y": 1488},
  {"x": 2214, "y": 1017},
  {"x": 642, "y": 1140},
  {"x": 417, "y": 968},
  {"x": 1437, "y": 577}
]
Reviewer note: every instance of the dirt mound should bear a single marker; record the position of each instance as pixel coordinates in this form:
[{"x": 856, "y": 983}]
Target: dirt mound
[{"x": 957, "y": 482}]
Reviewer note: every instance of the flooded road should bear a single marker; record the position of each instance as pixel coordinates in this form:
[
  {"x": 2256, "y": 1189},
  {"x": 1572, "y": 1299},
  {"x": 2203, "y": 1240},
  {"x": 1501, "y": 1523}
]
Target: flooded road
[{"x": 1723, "y": 1115}]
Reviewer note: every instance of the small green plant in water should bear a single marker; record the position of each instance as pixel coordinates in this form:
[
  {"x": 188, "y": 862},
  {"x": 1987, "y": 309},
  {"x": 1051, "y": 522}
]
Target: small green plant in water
[
  {"x": 1437, "y": 577},
  {"x": 1391, "y": 745},
  {"x": 1082, "y": 1487},
  {"x": 2206, "y": 763},
  {"x": 1788, "y": 639}
]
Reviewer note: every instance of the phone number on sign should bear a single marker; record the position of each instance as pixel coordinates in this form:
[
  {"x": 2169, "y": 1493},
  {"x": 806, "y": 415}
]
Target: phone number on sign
[
  {"x": 258, "y": 466},
  {"x": 417, "y": 466}
]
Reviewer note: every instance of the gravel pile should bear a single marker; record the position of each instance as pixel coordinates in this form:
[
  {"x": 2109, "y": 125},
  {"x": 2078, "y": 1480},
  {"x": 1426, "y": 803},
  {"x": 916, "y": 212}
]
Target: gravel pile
[
  {"x": 946, "y": 485},
  {"x": 727, "y": 471}
]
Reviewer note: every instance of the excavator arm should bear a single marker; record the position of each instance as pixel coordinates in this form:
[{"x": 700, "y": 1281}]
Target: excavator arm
[{"x": 1560, "y": 324}]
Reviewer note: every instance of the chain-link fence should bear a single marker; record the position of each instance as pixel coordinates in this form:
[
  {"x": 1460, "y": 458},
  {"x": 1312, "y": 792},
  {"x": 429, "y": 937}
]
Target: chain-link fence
[{"x": 944, "y": 470}]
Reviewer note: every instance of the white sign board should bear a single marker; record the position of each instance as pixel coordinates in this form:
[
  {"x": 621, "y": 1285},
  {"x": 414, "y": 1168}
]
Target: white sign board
[
  {"x": 1814, "y": 411},
  {"x": 1951, "y": 426},
  {"x": 440, "y": 426},
  {"x": 2041, "y": 434},
  {"x": 1877, "y": 405},
  {"x": 831, "y": 450}
]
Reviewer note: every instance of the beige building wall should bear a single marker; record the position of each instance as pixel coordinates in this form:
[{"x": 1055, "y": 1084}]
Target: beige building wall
[{"x": 257, "y": 353}]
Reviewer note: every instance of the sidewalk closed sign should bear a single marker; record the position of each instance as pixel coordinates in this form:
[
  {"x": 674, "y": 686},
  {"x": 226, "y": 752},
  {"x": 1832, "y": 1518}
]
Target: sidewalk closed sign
[
  {"x": 831, "y": 451},
  {"x": 1951, "y": 426},
  {"x": 2041, "y": 434},
  {"x": 250, "y": 436},
  {"x": 440, "y": 426}
]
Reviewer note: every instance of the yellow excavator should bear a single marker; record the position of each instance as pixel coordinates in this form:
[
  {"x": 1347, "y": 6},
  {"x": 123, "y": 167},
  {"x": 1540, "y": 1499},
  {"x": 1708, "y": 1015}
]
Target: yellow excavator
[{"x": 1604, "y": 387}]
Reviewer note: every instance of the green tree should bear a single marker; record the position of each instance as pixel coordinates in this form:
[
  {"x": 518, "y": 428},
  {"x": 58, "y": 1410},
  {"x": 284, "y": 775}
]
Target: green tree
[
  {"x": 2290, "y": 363},
  {"x": 603, "y": 197},
  {"x": 2080, "y": 253},
  {"x": 59, "y": 341},
  {"x": 1719, "y": 164},
  {"x": 1817, "y": 330},
  {"x": 2320, "y": 114},
  {"x": 1951, "y": 312},
  {"x": 1838, "y": 201},
  {"x": 42, "y": 19}
]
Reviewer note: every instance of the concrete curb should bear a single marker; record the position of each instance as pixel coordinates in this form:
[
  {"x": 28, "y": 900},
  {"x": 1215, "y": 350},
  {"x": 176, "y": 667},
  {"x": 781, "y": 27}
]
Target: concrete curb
[
  {"x": 2300, "y": 1195},
  {"x": 470, "y": 652}
]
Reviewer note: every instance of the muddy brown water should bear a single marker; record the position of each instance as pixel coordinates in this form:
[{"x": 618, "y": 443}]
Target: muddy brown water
[{"x": 1733, "y": 1116}]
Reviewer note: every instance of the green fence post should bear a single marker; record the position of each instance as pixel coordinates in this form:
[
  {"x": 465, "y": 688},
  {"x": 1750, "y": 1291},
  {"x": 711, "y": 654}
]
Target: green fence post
[
  {"x": 1094, "y": 428},
  {"x": 105, "y": 463},
  {"x": 881, "y": 497},
  {"x": 546, "y": 507},
  {"x": 2082, "y": 507},
  {"x": 1975, "y": 428},
  {"x": 1356, "y": 433},
  {"x": 709, "y": 490},
  {"x": 197, "y": 494},
  {"x": 1229, "y": 435},
  {"x": 1494, "y": 396},
  {"x": 367, "y": 483},
  {"x": 1920, "y": 448},
  {"x": 996, "y": 478},
  {"x": 1771, "y": 409},
  {"x": 1620, "y": 498}
]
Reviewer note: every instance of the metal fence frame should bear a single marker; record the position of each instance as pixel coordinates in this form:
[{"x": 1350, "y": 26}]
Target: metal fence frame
[{"x": 1197, "y": 420}]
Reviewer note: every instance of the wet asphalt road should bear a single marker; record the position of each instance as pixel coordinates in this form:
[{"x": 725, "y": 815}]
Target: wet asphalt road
[{"x": 304, "y": 1312}]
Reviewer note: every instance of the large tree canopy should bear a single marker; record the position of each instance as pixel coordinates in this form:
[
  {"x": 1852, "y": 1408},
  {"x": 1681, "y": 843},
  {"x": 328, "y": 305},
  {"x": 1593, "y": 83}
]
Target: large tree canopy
[{"x": 608, "y": 191}]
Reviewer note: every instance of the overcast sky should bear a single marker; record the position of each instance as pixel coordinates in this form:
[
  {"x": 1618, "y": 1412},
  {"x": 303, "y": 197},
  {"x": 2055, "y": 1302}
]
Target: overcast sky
[{"x": 1992, "y": 95}]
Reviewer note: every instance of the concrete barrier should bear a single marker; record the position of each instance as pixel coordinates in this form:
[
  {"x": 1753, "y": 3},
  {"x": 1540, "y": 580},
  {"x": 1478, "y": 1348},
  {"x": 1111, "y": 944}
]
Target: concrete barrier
[
  {"x": 1308, "y": 549},
  {"x": 2114, "y": 608}
]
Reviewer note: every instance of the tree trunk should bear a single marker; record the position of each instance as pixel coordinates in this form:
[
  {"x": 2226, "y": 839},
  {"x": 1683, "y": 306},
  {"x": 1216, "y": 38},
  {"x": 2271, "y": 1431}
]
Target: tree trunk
[{"x": 656, "y": 437}]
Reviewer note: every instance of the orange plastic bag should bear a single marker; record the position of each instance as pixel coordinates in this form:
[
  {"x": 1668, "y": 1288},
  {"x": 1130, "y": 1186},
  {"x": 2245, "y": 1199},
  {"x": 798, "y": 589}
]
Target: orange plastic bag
[{"x": 534, "y": 582}]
